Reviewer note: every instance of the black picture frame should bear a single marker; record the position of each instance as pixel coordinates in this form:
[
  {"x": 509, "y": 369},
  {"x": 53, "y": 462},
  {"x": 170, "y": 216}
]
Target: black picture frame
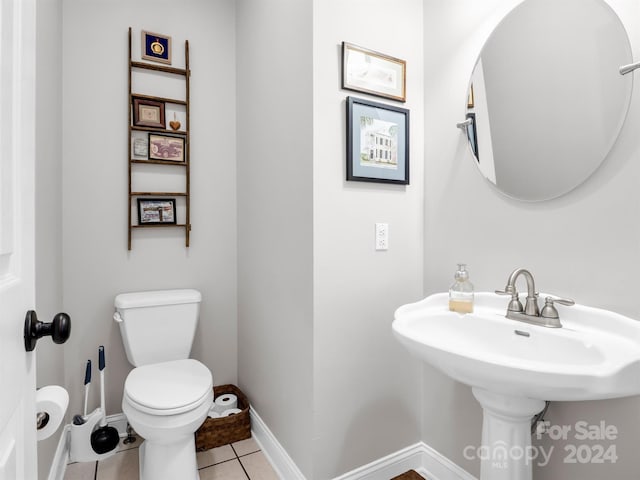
[
  {"x": 472, "y": 135},
  {"x": 156, "y": 211},
  {"x": 377, "y": 142}
]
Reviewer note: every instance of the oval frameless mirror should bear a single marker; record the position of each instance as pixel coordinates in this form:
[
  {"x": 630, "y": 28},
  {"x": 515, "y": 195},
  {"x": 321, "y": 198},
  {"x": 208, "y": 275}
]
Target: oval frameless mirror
[{"x": 546, "y": 99}]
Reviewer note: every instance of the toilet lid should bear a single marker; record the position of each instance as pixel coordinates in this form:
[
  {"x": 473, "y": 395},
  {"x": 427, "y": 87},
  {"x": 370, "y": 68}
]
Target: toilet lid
[{"x": 168, "y": 385}]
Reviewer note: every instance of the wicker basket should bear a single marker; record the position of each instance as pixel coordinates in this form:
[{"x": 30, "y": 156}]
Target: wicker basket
[{"x": 215, "y": 432}]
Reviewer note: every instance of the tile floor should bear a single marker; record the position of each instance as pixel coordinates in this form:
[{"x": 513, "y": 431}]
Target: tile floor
[{"x": 239, "y": 461}]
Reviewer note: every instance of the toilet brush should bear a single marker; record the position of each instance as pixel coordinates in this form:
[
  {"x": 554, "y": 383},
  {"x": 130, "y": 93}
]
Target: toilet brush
[
  {"x": 105, "y": 438},
  {"x": 87, "y": 384},
  {"x": 80, "y": 419}
]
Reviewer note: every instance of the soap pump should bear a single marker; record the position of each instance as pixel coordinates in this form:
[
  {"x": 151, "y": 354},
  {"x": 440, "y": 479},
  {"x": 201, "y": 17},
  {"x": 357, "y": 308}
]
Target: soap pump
[{"x": 461, "y": 292}]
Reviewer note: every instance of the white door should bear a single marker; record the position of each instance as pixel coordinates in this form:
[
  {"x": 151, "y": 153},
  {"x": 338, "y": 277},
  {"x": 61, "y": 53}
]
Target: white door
[{"x": 17, "y": 155}]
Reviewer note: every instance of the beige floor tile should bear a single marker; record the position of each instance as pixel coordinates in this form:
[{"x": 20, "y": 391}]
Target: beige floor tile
[
  {"x": 80, "y": 471},
  {"x": 122, "y": 466},
  {"x": 258, "y": 467},
  {"x": 244, "y": 447},
  {"x": 231, "y": 470},
  {"x": 215, "y": 455}
]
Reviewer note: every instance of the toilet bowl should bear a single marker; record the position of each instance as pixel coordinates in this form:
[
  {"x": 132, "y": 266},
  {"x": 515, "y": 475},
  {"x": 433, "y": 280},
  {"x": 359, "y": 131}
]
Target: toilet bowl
[{"x": 165, "y": 403}]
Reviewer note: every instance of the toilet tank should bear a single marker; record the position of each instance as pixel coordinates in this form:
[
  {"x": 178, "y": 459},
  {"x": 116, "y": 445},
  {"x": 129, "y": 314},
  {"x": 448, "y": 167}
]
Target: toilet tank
[{"x": 157, "y": 326}]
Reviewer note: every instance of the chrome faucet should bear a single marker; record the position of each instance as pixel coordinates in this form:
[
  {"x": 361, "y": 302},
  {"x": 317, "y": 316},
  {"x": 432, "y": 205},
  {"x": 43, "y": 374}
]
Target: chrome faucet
[{"x": 531, "y": 313}]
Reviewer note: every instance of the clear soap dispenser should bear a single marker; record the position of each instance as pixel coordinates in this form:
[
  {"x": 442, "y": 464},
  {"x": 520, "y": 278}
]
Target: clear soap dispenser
[{"x": 461, "y": 292}]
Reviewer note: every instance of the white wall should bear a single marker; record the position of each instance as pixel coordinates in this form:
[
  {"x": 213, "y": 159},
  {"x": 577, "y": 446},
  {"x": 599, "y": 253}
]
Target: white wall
[
  {"x": 275, "y": 217},
  {"x": 97, "y": 265},
  {"x": 49, "y": 356},
  {"x": 314, "y": 347},
  {"x": 366, "y": 386},
  {"x": 590, "y": 251},
  {"x": 316, "y": 352}
]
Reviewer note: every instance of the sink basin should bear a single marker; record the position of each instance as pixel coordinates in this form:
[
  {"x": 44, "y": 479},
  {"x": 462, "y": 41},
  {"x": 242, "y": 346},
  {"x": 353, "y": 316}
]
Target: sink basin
[
  {"x": 595, "y": 355},
  {"x": 513, "y": 367}
]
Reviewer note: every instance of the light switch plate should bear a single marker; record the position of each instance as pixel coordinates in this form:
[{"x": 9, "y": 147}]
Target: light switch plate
[{"x": 382, "y": 236}]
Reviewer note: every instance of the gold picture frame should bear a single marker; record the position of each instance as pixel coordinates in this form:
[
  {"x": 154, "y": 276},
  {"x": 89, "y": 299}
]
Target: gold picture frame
[
  {"x": 368, "y": 71},
  {"x": 470, "y": 100}
]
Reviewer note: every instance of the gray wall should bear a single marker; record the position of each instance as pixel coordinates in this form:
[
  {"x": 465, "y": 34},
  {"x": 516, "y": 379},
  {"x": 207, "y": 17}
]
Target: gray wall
[
  {"x": 50, "y": 357},
  {"x": 275, "y": 218},
  {"x": 312, "y": 345},
  {"x": 366, "y": 386},
  {"x": 97, "y": 265},
  {"x": 590, "y": 254},
  {"x": 316, "y": 353}
]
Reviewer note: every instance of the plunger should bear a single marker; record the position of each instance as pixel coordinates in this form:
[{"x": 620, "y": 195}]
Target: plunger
[{"x": 105, "y": 438}]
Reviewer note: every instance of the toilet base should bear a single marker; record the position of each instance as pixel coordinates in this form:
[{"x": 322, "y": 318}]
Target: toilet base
[
  {"x": 169, "y": 461},
  {"x": 169, "y": 449}
]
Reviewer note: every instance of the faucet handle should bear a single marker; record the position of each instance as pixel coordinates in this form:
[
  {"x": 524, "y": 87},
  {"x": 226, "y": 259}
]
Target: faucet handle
[
  {"x": 549, "y": 310},
  {"x": 508, "y": 290},
  {"x": 562, "y": 301}
]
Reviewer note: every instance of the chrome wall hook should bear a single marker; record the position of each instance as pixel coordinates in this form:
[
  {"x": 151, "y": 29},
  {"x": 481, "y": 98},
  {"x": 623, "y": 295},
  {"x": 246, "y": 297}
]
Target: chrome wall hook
[
  {"x": 465, "y": 124},
  {"x": 624, "y": 69}
]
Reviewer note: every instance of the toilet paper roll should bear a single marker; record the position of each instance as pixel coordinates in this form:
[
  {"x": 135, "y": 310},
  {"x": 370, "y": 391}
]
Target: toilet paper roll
[
  {"x": 225, "y": 402},
  {"x": 213, "y": 414},
  {"x": 230, "y": 411},
  {"x": 51, "y": 404}
]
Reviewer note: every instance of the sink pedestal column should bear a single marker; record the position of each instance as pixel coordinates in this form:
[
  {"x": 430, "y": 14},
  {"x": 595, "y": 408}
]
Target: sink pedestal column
[{"x": 506, "y": 452}]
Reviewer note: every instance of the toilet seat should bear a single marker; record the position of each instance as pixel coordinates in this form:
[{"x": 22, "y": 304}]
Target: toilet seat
[{"x": 168, "y": 388}]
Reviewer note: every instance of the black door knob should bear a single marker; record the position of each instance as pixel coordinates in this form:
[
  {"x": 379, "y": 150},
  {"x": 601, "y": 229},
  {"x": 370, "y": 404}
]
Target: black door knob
[{"x": 59, "y": 329}]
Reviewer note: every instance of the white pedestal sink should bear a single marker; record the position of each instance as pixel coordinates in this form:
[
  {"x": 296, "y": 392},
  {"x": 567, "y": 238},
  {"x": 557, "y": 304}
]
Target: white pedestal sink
[{"x": 513, "y": 367}]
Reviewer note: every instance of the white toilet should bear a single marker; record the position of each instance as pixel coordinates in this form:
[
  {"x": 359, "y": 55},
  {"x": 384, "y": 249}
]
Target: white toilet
[{"x": 168, "y": 395}]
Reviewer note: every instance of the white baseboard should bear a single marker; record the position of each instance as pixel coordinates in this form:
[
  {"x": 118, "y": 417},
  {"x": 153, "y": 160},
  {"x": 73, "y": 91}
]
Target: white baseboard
[
  {"x": 438, "y": 467},
  {"x": 409, "y": 458},
  {"x": 419, "y": 457},
  {"x": 280, "y": 460},
  {"x": 119, "y": 422}
]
